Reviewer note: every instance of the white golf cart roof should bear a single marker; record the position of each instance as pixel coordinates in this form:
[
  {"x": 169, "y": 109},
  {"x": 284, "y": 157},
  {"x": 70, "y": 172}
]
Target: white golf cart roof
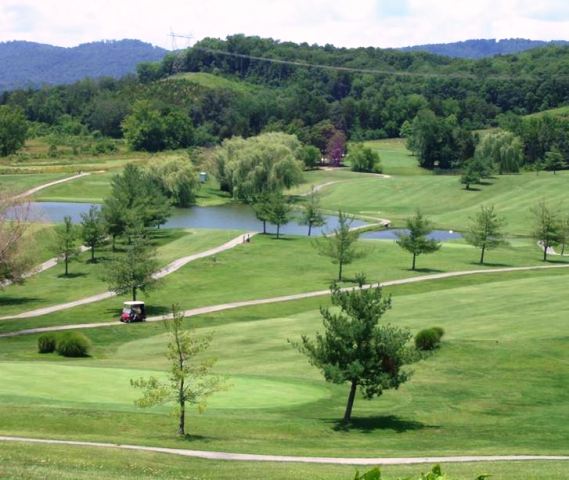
[{"x": 132, "y": 304}]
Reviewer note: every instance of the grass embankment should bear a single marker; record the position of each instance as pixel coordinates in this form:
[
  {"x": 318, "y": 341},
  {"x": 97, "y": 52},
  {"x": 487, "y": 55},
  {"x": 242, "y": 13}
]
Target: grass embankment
[
  {"x": 52, "y": 287},
  {"x": 264, "y": 268},
  {"x": 501, "y": 366}
]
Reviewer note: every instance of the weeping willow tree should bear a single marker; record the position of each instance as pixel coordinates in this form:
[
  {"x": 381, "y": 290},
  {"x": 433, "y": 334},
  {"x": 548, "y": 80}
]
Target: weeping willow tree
[
  {"x": 503, "y": 149},
  {"x": 258, "y": 165}
]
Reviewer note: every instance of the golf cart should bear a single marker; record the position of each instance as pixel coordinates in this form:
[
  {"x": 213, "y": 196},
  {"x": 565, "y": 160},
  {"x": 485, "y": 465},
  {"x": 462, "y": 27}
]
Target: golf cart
[{"x": 133, "y": 312}]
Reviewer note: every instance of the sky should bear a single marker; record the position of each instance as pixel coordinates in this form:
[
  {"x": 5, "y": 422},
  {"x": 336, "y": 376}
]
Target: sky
[{"x": 349, "y": 23}]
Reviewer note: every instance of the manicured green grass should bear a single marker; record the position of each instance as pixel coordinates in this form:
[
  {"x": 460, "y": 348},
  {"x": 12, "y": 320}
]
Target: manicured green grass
[
  {"x": 395, "y": 158},
  {"x": 52, "y": 287},
  {"x": 54, "y": 462},
  {"x": 23, "y": 182},
  {"x": 501, "y": 365},
  {"x": 446, "y": 202},
  {"x": 272, "y": 267},
  {"x": 92, "y": 189}
]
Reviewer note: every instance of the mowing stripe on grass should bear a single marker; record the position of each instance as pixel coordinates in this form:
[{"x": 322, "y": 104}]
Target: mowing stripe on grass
[{"x": 286, "y": 298}]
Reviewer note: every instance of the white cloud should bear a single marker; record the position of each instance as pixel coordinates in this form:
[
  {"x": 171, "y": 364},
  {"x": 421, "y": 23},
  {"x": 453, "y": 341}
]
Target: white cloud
[{"x": 384, "y": 23}]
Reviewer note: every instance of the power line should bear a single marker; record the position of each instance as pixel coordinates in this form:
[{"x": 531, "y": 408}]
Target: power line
[{"x": 383, "y": 72}]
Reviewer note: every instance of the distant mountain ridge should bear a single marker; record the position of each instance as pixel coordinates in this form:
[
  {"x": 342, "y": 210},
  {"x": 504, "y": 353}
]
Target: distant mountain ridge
[
  {"x": 481, "y": 48},
  {"x": 30, "y": 64}
]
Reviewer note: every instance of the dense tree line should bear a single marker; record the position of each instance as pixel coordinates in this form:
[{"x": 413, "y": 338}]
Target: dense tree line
[{"x": 315, "y": 104}]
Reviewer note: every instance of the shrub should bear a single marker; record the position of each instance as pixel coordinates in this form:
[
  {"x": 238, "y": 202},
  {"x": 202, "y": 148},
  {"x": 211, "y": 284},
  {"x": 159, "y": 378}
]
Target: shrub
[
  {"x": 429, "y": 338},
  {"x": 73, "y": 344},
  {"x": 46, "y": 343}
]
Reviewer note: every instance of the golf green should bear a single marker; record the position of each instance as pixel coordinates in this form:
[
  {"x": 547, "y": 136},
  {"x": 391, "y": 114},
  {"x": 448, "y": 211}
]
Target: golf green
[{"x": 49, "y": 384}]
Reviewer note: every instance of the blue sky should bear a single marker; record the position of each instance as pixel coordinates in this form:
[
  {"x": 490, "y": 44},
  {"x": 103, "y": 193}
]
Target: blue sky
[{"x": 381, "y": 23}]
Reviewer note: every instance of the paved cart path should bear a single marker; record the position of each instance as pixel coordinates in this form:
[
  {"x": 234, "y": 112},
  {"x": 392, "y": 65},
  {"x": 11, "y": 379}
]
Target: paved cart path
[
  {"x": 284, "y": 298},
  {"x": 248, "y": 457},
  {"x": 167, "y": 270}
]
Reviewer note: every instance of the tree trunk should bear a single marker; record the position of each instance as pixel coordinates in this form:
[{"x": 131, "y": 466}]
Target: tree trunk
[
  {"x": 264, "y": 227},
  {"x": 350, "y": 405},
  {"x": 114, "y": 243},
  {"x": 92, "y": 253},
  {"x": 341, "y": 265},
  {"x": 414, "y": 259},
  {"x": 309, "y": 229},
  {"x": 182, "y": 419},
  {"x": 563, "y": 249},
  {"x": 545, "y": 247},
  {"x": 134, "y": 294},
  {"x": 482, "y": 254},
  {"x": 66, "y": 258},
  {"x": 278, "y": 230}
]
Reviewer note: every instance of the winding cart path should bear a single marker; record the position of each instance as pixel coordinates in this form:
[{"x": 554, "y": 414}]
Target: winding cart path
[
  {"x": 286, "y": 298},
  {"x": 248, "y": 457},
  {"x": 167, "y": 270}
]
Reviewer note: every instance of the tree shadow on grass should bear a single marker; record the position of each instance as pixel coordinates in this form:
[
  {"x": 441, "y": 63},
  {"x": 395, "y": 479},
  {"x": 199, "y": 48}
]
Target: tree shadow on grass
[
  {"x": 71, "y": 275},
  {"x": 472, "y": 189},
  {"x": 7, "y": 300},
  {"x": 491, "y": 264},
  {"x": 188, "y": 437},
  {"x": 381, "y": 422},
  {"x": 152, "y": 310},
  {"x": 426, "y": 270}
]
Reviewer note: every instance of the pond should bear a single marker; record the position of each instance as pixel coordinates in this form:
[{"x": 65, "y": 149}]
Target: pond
[{"x": 226, "y": 217}]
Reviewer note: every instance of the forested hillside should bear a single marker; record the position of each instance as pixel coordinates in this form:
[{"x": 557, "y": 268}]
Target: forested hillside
[
  {"x": 481, "y": 48},
  {"x": 29, "y": 64},
  {"x": 244, "y": 85}
]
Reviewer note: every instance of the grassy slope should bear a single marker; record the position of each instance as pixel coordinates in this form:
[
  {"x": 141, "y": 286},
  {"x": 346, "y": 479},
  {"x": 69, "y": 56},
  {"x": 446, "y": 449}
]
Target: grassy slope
[
  {"x": 21, "y": 183},
  {"x": 287, "y": 266},
  {"x": 51, "y": 287},
  {"x": 468, "y": 398}
]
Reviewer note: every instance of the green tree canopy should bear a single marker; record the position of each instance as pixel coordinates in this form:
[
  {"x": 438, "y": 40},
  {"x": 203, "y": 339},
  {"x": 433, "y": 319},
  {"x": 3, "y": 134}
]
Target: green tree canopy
[
  {"x": 415, "y": 240},
  {"x": 278, "y": 211},
  {"x": 548, "y": 227},
  {"x": 13, "y": 130},
  {"x": 190, "y": 380},
  {"x": 93, "y": 229},
  {"x": 364, "y": 159},
  {"x": 132, "y": 271},
  {"x": 263, "y": 164},
  {"x": 356, "y": 349},
  {"x": 340, "y": 245},
  {"x": 177, "y": 179},
  {"x": 503, "y": 149},
  {"x": 311, "y": 214},
  {"x": 485, "y": 230}
]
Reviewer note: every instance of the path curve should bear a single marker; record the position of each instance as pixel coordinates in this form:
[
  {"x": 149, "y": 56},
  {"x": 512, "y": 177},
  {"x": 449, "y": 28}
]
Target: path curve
[
  {"x": 285, "y": 298},
  {"x": 167, "y": 270},
  {"x": 31, "y": 191},
  {"x": 42, "y": 267},
  {"x": 248, "y": 457}
]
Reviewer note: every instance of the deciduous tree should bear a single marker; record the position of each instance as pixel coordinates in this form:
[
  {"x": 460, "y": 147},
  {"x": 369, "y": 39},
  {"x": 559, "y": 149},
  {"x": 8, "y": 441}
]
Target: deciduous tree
[
  {"x": 190, "y": 380},
  {"x": 415, "y": 240},
  {"x": 93, "y": 229},
  {"x": 67, "y": 245},
  {"x": 341, "y": 244},
  {"x": 13, "y": 130},
  {"x": 548, "y": 229},
  {"x": 486, "y": 230},
  {"x": 279, "y": 211},
  {"x": 312, "y": 215},
  {"x": 133, "y": 270}
]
